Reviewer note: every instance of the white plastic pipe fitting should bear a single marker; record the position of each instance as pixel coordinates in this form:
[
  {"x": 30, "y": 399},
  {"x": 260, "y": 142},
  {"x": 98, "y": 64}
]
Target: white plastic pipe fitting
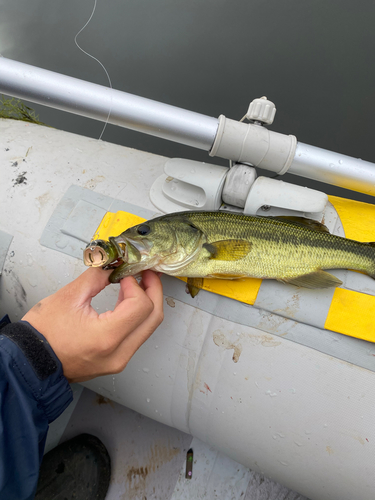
[{"x": 248, "y": 143}]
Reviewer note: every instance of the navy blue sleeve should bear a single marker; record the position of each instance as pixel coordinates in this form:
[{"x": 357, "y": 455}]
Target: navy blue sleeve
[{"x": 33, "y": 393}]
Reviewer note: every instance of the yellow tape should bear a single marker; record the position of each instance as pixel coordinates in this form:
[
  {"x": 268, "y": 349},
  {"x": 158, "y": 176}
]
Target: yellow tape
[
  {"x": 245, "y": 290},
  {"x": 353, "y": 314},
  {"x": 114, "y": 224},
  {"x": 357, "y": 218}
]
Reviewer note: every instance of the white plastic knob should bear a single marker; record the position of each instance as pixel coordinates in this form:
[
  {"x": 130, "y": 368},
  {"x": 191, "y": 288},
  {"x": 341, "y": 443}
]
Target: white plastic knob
[{"x": 261, "y": 110}]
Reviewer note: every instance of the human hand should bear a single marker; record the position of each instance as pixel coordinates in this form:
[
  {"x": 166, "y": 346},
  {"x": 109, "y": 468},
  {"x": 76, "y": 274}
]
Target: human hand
[{"x": 89, "y": 344}]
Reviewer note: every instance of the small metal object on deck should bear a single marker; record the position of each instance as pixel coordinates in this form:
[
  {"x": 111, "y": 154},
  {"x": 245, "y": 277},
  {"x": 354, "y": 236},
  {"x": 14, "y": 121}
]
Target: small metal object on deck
[{"x": 189, "y": 464}]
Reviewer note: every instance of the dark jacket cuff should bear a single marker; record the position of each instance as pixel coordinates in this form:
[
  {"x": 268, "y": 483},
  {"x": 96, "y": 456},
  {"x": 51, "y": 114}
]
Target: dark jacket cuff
[{"x": 37, "y": 368}]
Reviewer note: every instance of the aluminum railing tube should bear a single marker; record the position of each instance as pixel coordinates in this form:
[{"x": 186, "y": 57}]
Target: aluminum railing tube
[
  {"x": 180, "y": 125},
  {"x": 95, "y": 101},
  {"x": 333, "y": 168}
]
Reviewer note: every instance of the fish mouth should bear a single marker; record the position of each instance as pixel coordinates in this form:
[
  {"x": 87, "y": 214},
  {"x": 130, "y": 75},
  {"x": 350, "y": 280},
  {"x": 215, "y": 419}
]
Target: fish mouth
[
  {"x": 136, "y": 248},
  {"x": 110, "y": 254}
]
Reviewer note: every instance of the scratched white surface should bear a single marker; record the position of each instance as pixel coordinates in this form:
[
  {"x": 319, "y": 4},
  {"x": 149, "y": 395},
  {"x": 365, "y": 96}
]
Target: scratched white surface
[{"x": 148, "y": 458}]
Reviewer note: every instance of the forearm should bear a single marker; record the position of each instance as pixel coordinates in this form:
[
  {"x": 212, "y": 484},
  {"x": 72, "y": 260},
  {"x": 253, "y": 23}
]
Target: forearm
[{"x": 33, "y": 392}]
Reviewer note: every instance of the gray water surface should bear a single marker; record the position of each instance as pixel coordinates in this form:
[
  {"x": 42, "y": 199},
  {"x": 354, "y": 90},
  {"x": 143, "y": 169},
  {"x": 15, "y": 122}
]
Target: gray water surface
[{"x": 313, "y": 58}]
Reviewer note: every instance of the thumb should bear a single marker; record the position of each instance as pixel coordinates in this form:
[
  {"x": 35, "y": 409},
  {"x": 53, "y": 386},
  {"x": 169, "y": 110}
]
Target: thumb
[{"x": 88, "y": 285}]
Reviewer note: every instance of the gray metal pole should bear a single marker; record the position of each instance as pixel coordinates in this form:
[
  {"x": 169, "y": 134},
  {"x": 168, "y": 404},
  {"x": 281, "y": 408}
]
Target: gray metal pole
[
  {"x": 94, "y": 101},
  {"x": 165, "y": 121},
  {"x": 333, "y": 168}
]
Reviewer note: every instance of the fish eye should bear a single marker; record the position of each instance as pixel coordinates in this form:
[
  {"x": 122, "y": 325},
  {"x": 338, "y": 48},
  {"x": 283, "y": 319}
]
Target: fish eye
[{"x": 143, "y": 229}]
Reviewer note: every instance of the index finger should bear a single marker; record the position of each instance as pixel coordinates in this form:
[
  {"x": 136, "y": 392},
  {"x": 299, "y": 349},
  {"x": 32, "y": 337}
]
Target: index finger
[{"x": 87, "y": 285}]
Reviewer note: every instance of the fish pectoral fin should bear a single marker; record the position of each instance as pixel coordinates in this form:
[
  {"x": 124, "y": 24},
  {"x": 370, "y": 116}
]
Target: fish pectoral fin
[
  {"x": 303, "y": 221},
  {"x": 229, "y": 250},
  {"x": 193, "y": 286},
  {"x": 316, "y": 279}
]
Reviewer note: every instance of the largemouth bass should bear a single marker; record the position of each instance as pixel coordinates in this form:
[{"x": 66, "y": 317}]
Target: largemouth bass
[{"x": 227, "y": 245}]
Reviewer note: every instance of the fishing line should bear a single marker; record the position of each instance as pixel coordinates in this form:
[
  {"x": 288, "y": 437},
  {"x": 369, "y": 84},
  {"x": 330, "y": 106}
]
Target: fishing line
[{"x": 97, "y": 60}]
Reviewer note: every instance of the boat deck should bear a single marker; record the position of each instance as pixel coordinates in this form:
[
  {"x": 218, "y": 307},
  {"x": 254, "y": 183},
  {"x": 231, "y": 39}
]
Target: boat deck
[{"x": 149, "y": 458}]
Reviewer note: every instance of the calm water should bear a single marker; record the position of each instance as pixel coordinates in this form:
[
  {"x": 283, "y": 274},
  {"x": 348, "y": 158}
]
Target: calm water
[{"x": 313, "y": 58}]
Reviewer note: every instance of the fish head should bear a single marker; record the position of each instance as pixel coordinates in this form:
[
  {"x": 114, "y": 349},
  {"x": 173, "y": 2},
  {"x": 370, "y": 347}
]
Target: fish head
[
  {"x": 99, "y": 253},
  {"x": 166, "y": 240}
]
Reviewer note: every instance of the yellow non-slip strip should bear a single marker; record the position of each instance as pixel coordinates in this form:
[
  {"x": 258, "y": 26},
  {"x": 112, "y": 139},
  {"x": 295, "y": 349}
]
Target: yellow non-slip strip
[
  {"x": 358, "y": 219},
  {"x": 245, "y": 290},
  {"x": 116, "y": 223},
  {"x": 353, "y": 314}
]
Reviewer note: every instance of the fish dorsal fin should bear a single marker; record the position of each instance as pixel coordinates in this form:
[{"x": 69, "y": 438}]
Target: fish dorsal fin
[
  {"x": 316, "y": 279},
  {"x": 229, "y": 250},
  {"x": 303, "y": 221},
  {"x": 194, "y": 285}
]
